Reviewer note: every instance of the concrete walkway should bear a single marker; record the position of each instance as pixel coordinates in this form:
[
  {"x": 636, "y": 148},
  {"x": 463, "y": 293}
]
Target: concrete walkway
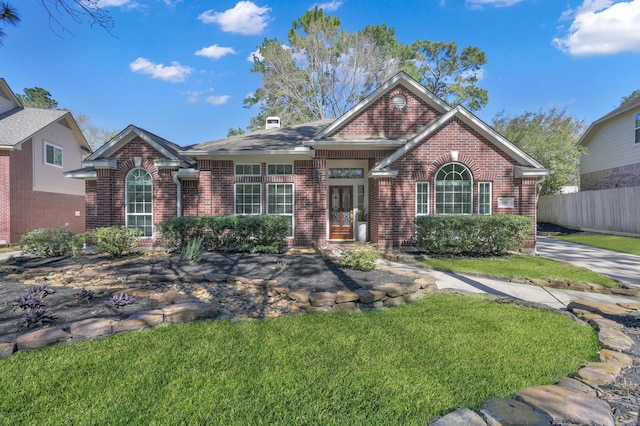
[
  {"x": 552, "y": 297},
  {"x": 618, "y": 266}
]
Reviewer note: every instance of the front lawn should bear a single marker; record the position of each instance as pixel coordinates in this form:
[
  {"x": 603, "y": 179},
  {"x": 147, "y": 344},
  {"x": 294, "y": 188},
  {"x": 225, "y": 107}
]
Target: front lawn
[
  {"x": 403, "y": 365},
  {"x": 518, "y": 266},
  {"x": 610, "y": 242}
]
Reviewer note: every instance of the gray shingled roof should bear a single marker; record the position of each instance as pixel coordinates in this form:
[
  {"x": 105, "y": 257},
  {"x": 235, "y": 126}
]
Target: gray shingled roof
[
  {"x": 284, "y": 138},
  {"x": 20, "y": 124}
]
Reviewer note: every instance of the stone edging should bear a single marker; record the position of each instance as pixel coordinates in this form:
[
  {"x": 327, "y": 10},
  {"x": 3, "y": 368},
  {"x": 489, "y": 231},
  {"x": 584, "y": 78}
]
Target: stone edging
[
  {"x": 383, "y": 295},
  {"x": 570, "y": 400}
]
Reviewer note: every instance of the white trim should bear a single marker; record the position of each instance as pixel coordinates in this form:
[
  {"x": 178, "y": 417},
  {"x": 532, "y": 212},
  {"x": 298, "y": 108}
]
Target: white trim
[
  {"x": 293, "y": 206},
  {"x": 201, "y": 153},
  {"x": 126, "y": 203},
  {"x": 45, "y": 144},
  {"x": 490, "y": 197},
  {"x": 435, "y": 188},
  {"x": 166, "y": 164},
  {"x": 400, "y": 78},
  {"x": 280, "y": 164},
  {"x": 235, "y": 198},
  {"x": 423, "y": 182},
  {"x": 235, "y": 169}
]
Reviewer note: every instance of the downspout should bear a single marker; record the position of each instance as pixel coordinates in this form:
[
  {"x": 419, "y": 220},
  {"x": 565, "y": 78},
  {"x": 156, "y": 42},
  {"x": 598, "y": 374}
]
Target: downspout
[{"x": 178, "y": 194}]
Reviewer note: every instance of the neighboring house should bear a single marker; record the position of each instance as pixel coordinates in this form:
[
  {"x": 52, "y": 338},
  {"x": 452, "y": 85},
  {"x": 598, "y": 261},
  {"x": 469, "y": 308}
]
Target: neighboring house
[
  {"x": 36, "y": 147},
  {"x": 613, "y": 149},
  {"x": 399, "y": 153}
]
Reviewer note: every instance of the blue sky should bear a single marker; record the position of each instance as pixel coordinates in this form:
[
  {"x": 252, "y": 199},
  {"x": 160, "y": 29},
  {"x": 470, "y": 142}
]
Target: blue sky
[{"x": 180, "y": 68}]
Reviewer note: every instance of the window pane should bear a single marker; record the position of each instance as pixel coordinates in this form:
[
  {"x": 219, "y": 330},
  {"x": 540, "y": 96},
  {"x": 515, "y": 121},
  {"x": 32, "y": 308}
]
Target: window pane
[
  {"x": 280, "y": 202},
  {"x": 140, "y": 201},
  {"x": 248, "y": 198},
  {"x": 453, "y": 190},
  {"x": 484, "y": 198},
  {"x": 422, "y": 198},
  {"x": 280, "y": 169}
]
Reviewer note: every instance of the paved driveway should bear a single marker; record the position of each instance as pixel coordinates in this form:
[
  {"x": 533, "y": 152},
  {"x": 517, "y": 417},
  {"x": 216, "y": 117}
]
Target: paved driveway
[{"x": 619, "y": 266}]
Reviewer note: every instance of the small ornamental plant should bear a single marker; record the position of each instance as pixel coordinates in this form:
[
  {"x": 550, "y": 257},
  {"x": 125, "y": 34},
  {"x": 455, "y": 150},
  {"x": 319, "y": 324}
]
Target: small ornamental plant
[
  {"x": 120, "y": 300},
  {"x": 35, "y": 311},
  {"x": 361, "y": 258},
  {"x": 84, "y": 294}
]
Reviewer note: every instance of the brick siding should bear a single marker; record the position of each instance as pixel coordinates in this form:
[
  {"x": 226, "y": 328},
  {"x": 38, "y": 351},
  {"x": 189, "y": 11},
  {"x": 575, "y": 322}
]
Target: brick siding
[
  {"x": 619, "y": 177},
  {"x": 22, "y": 209}
]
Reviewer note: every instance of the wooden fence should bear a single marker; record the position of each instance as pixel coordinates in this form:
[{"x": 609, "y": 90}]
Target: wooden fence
[{"x": 614, "y": 211}]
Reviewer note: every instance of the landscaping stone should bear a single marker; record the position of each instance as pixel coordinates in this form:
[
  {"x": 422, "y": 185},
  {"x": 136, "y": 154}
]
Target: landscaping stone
[
  {"x": 91, "y": 328},
  {"x": 370, "y": 296},
  {"x": 508, "y": 412},
  {"x": 392, "y": 289},
  {"x": 608, "y": 356},
  {"x": 7, "y": 349},
  {"x": 426, "y": 282},
  {"x": 599, "y": 374},
  {"x": 461, "y": 417},
  {"x": 576, "y": 385},
  {"x": 300, "y": 296},
  {"x": 184, "y": 312},
  {"x": 394, "y": 301},
  {"x": 614, "y": 339},
  {"x": 598, "y": 308},
  {"x": 346, "y": 306},
  {"x": 599, "y": 323},
  {"x": 344, "y": 296},
  {"x": 41, "y": 338},
  {"x": 565, "y": 406},
  {"x": 138, "y": 320},
  {"x": 322, "y": 298},
  {"x": 629, "y": 305}
]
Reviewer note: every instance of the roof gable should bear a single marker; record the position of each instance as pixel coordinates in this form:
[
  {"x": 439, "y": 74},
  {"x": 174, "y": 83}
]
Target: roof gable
[
  {"x": 11, "y": 100},
  {"x": 474, "y": 123},
  {"x": 405, "y": 84},
  {"x": 625, "y": 107},
  {"x": 168, "y": 149}
]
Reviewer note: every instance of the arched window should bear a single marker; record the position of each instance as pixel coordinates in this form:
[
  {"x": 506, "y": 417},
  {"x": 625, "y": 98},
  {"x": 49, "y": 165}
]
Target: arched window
[
  {"x": 140, "y": 201},
  {"x": 453, "y": 189}
]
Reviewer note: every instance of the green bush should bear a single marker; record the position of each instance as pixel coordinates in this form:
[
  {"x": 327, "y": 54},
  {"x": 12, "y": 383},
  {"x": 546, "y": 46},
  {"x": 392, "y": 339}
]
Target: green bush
[
  {"x": 116, "y": 241},
  {"x": 52, "y": 242},
  {"x": 362, "y": 258},
  {"x": 233, "y": 233},
  {"x": 471, "y": 235}
]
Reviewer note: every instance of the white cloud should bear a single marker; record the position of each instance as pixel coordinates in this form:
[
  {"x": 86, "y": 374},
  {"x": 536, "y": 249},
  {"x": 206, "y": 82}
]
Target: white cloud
[
  {"x": 602, "y": 27},
  {"x": 218, "y": 100},
  {"x": 193, "y": 97},
  {"x": 244, "y": 18},
  {"x": 174, "y": 73},
  {"x": 496, "y": 3},
  {"x": 331, "y": 6},
  {"x": 215, "y": 51}
]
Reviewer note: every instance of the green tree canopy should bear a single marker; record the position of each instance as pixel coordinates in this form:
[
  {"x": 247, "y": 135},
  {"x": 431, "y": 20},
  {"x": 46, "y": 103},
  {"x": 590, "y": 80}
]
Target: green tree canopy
[
  {"x": 8, "y": 15},
  {"x": 549, "y": 137},
  {"x": 235, "y": 132},
  {"x": 37, "y": 97},
  {"x": 322, "y": 70},
  {"x": 630, "y": 96}
]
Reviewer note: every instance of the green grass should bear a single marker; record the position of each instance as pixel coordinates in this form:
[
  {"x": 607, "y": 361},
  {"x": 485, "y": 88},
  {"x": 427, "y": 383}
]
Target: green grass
[
  {"x": 610, "y": 242},
  {"x": 404, "y": 365},
  {"x": 518, "y": 266}
]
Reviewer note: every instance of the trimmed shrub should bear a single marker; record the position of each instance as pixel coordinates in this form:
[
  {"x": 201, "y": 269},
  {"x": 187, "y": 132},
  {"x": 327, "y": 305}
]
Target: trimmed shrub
[
  {"x": 116, "y": 241},
  {"x": 471, "y": 235},
  {"x": 52, "y": 242},
  {"x": 232, "y": 233},
  {"x": 362, "y": 258}
]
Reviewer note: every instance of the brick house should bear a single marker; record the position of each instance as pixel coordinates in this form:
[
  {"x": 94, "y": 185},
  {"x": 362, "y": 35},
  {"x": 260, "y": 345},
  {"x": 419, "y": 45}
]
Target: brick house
[
  {"x": 36, "y": 147},
  {"x": 399, "y": 153}
]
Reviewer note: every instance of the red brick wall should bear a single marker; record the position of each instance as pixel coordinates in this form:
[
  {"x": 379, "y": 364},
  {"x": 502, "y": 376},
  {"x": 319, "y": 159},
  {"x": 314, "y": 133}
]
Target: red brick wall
[
  {"x": 382, "y": 120},
  {"x": 5, "y": 199},
  {"x": 24, "y": 209}
]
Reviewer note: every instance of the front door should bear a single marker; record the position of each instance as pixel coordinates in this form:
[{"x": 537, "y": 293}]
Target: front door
[{"x": 341, "y": 211}]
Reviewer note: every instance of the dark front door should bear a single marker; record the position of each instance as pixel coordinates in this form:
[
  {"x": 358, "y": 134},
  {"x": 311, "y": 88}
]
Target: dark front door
[{"x": 341, "y": 212}]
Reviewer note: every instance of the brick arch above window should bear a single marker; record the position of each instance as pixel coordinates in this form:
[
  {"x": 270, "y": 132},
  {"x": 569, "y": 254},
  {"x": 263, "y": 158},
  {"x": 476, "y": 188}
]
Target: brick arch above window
[
  {"x": 124, "y": 167},
  {"x": 463, "y": 159}
]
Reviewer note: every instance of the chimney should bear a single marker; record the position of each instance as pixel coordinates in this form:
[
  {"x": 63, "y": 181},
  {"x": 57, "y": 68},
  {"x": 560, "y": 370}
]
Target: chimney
[{"x": 272, "y": 123}]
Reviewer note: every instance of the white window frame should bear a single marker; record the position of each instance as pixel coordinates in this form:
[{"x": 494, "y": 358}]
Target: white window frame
[
  {"x": 417, "y": 198},
  {"x": 637, "y": 128},
  {"x": 469, "y": 203},
  {"x": 235, "y": 198},
  {"x": 291, "y": 215},
  {"x": 480, "y": 192},
  {"x": 235, "y": 169},
  {"x": 277, "y": 165},
  {"x": 129, "y": 215},
  {"x": 55, "y": 147}
]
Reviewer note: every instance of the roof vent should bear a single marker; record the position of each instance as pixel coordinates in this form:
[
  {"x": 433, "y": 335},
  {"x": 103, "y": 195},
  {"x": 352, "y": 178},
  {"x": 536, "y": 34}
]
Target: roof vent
[{"x": 272, "y": 123}]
